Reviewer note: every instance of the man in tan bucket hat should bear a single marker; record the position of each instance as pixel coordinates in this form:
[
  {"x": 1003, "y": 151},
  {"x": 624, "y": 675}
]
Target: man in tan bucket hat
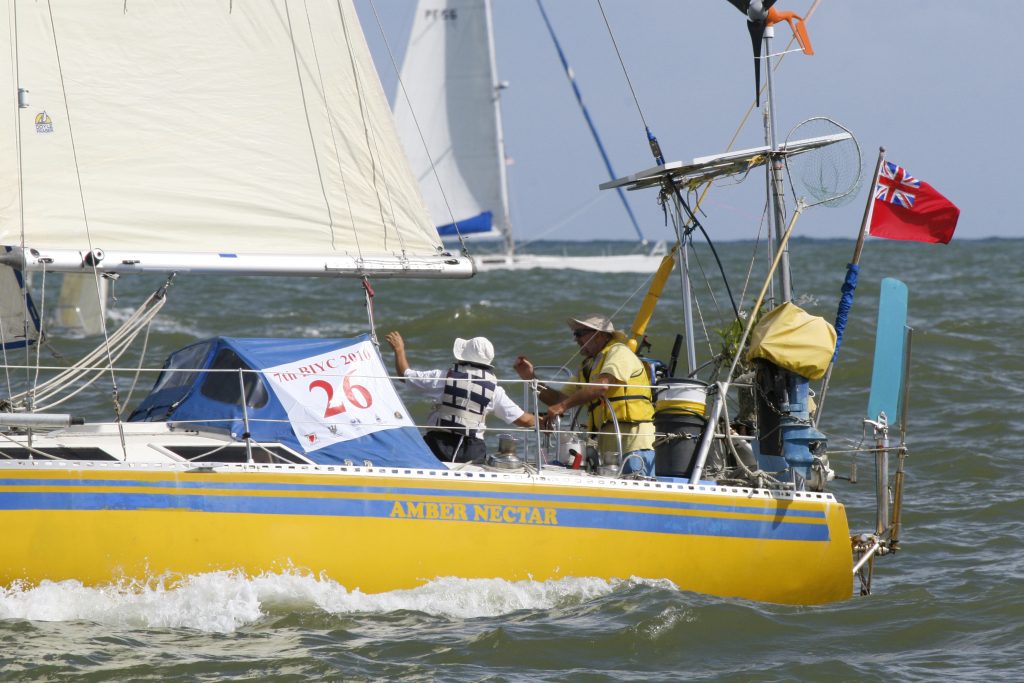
[{"x": 611, "y": 381}]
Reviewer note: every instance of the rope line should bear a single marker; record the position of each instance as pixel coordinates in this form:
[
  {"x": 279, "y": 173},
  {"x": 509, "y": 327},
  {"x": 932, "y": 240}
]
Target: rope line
[{"x": 419, "y": 131}]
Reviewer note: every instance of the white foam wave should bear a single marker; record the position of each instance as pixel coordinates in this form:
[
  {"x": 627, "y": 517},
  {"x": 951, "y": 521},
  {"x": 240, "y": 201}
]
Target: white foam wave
[
  {"x": 223, "y": 602},
  {"x": 466, "y": 598}
]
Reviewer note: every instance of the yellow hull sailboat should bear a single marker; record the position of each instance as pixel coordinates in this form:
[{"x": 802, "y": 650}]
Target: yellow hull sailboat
[
  {"x": 193, "y": 138},
  {"x": 382, "y": 530}
]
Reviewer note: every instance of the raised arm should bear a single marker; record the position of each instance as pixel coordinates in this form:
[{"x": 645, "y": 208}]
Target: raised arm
[
  {"x": 398, "y": 345},
  {"x": 524, "y": 368}
]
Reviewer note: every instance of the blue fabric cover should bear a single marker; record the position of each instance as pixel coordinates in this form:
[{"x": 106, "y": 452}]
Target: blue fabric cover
[
  {"x": 845, "y": 304},
  {"x": 180, "y": 397}
]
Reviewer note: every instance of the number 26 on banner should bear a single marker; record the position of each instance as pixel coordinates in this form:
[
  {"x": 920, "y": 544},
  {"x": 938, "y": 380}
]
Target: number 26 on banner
[{"x": 356, "y": 395}]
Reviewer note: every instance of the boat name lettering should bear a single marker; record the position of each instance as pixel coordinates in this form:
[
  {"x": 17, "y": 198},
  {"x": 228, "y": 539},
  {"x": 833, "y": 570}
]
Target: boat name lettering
[
  {"x": 320, "y": 367},
  {"x": 460, "y": 512}
]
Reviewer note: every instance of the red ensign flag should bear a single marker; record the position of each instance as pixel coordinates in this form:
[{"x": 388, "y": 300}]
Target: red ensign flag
[{"x": 910, "y": 209}]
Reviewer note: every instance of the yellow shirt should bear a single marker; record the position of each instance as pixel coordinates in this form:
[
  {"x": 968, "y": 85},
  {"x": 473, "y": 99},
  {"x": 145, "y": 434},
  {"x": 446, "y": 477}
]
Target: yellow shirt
[{"x": 620, "y": 363}]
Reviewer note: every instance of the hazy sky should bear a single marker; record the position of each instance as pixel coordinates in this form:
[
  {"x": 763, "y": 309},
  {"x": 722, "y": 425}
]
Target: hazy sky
[{"x": 934, "y": 81}]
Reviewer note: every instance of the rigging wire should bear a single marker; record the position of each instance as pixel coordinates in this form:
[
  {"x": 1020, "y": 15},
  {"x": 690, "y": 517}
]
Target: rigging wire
[
  {"x": 419, "y": 131},
  {"x": 327, "y": 112},
  {"x": 622, "y": 63},
  {"x": 643, "y": 285},
  {"x": 590, "y": 122},
  {"x": 138, "y": 369},
  {"x": 88, "y": 234},
  {"x": 34, "y": 384},
  {"x": 16, "y": 66},
  {"x": 360, "y": 90},
  {"x": 660, "y": 159},
  {"x": 368, "y": 290},
  {"x": 656, "y": 149},
  {"x": 562, "y": 221},
  {"x": 694, "y": 223}
]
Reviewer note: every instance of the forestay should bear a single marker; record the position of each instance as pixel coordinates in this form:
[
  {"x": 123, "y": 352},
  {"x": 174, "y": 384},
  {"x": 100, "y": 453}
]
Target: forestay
[{"x": 204, "y": 136}]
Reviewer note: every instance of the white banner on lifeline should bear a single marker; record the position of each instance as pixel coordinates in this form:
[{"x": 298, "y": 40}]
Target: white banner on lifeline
[{"x": 338, "y": 396}]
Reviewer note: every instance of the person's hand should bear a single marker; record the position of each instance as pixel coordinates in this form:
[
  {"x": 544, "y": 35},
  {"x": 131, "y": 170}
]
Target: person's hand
[
  {"x": 395, "y": 340},
  {"x": 554, "y": 411},
  {"x": 524, "y": 368}
]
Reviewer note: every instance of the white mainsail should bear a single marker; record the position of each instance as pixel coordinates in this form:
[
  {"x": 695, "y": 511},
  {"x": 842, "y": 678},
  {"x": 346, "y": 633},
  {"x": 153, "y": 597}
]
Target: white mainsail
[
  {"x": 449, "y": 119},
  {"x": 207, "y": 136}
]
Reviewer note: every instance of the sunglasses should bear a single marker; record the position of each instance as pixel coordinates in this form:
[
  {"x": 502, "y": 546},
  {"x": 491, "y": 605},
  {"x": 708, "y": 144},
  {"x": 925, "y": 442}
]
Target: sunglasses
[{"x": 582, "y": 333}]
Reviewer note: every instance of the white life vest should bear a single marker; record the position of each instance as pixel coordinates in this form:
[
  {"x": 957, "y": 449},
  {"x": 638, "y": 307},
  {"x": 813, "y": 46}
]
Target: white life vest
[{"x": 468, "y": 392}]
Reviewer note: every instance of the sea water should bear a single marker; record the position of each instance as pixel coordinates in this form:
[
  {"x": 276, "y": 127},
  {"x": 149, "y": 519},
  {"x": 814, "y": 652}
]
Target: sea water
[{"x": 948, "y": 606}]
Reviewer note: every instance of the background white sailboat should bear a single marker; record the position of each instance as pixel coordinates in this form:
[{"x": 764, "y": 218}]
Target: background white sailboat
[
  {"x": 448, "y": 112},
  {"x": 81, "y": 305},
  {"x": 449, "y": 94}
]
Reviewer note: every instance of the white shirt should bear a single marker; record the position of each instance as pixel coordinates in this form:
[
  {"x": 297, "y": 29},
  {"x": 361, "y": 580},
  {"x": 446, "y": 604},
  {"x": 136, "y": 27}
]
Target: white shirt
[{"x": 431, "y": 383}]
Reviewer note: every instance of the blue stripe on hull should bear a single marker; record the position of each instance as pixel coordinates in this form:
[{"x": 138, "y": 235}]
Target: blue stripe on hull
[
  {"x": 774, "y": 529},
  {"x": 408, "y": 491}
]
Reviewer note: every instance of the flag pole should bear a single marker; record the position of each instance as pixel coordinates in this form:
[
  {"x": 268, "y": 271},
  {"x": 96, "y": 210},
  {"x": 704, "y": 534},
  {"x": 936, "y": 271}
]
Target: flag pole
[
  {"x": 868, "y": 211},
  {"x": 850, "y": 283}
]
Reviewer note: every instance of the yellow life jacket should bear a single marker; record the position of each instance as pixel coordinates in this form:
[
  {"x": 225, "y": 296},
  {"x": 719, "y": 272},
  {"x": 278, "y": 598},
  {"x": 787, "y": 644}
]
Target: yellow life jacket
[{"x": 631, "y": 403}]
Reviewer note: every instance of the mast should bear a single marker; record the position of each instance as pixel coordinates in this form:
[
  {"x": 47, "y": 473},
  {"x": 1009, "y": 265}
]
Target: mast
[
  {"x": 503, "y": 221},
  {"x": 774, "y": 170}
]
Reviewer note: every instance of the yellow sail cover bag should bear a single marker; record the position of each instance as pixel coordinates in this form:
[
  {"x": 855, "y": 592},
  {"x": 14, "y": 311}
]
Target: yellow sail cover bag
[{"x": 795, "y": 340}]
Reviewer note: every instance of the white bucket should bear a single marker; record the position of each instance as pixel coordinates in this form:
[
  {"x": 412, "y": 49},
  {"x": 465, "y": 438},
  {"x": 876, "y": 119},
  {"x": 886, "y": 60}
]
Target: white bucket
[
  {"x": 568, "y": 451},
  {"x": 682, "y": 396}
]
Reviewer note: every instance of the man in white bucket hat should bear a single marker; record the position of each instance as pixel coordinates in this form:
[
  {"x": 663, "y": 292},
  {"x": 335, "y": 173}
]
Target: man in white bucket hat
[
  {"x": 613, "y": 383},
  {"x": 463, "y": 396}
]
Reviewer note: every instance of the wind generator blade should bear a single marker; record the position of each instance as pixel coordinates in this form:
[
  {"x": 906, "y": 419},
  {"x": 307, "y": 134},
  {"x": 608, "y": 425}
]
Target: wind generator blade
[
  {"x": 590, "y": 123},
  {"x": 756, "y": 30},
  {"x": 756, "y": 12}
]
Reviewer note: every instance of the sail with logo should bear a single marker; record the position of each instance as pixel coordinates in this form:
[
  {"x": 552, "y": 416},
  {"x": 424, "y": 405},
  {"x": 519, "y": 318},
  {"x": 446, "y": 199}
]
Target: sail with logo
[
  {"x": 243, "y": 160},
  {"x": 247, "y": 157}
]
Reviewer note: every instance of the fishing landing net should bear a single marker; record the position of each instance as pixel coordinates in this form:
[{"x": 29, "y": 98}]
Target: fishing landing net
[{"x": 827, "y": 175}]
